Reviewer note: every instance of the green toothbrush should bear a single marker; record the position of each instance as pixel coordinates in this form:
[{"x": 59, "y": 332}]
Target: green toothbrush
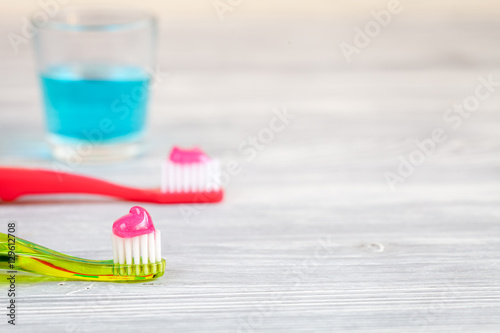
[{"x": 136, "y": 249}]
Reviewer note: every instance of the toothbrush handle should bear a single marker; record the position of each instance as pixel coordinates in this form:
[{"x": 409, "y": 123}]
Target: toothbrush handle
[
  {"x": 15, "y": 182},
  {"x": 37, "y": 259}
]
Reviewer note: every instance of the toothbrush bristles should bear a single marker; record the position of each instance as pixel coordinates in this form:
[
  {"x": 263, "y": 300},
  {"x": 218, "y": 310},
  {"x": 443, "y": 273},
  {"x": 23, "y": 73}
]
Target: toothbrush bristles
[
  {"x": 194, "y": 177},
  {"x": 139, "y": 251}
]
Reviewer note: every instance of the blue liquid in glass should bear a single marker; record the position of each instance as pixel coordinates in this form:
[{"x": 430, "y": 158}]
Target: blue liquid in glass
[{"x": 95, "y": 102}]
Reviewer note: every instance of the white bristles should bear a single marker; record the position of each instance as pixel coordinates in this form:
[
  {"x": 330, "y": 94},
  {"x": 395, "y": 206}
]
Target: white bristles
[
  {"x": 200, "y": 179},
  {"x": 140, "y": 250},
  {"x": 136, "y": 250},
  {"x": 128, "y": 250},
  {"x": 193, "y": 177},
  {"x": 151, "y": 247},
  {"x": 179, "y": 176},
  {"x": 144, "y": 248},
  {"x": 215, "y": 175},
  {"x": 121, "y": 250},
  {"x": 158, "y": 245}
]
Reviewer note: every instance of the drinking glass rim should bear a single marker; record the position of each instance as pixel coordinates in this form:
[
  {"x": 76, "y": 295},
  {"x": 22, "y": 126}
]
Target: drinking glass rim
[{"x": 138, "y": 19}]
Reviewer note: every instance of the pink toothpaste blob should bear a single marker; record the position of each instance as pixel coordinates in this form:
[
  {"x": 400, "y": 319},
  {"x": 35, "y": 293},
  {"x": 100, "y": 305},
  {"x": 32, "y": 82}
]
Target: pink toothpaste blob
[
  {"x": 135, "y": 239},
  {"x": 190, "y": 171},
  {"x": 136, "y": 223},
  {"x": 188, "y": 156}
]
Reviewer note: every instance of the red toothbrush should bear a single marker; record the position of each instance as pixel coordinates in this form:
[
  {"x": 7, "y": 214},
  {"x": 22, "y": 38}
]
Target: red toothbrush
[{"x": 189, "y": 176}]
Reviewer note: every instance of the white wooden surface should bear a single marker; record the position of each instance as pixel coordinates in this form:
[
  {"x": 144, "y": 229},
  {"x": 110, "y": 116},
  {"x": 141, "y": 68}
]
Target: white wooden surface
[{"x": 309, "y": 238}]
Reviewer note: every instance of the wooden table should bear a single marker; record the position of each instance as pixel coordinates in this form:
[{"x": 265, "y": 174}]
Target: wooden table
[{"x": 310, "y": 237}]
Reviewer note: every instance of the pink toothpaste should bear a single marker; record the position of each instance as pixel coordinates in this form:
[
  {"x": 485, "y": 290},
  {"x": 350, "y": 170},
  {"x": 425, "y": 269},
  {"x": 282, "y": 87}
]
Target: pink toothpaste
[
  {"x": 135, "y": 239},
  {"x": 188, "y": 156},
  {"x": 190, "y": 170}
]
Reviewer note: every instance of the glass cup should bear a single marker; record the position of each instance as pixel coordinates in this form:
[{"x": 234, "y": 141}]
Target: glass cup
[{"x": 95, "y": 67}]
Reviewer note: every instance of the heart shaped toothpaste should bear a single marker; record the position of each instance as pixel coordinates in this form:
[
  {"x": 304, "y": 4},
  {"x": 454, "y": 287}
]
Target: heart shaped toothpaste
[
  {"x": 137, "y": 222},
  {"x": 188, "y": 156}
]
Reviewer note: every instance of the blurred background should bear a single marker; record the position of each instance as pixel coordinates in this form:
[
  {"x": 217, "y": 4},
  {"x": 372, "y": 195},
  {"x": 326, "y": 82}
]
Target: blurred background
[{"x": 241, "y": 59}]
